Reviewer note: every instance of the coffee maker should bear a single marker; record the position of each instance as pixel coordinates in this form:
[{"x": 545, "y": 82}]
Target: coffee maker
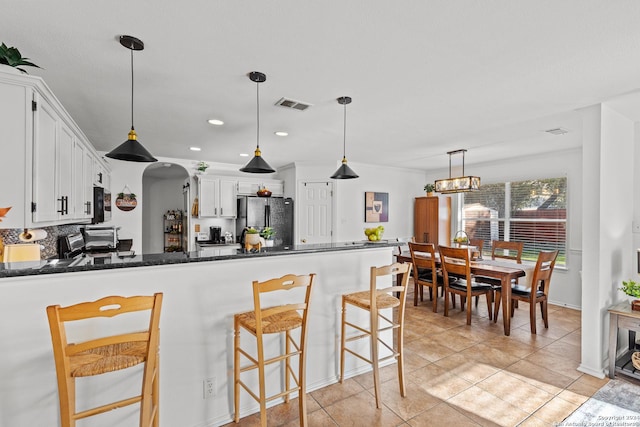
[{"x": 215, "y": 234}]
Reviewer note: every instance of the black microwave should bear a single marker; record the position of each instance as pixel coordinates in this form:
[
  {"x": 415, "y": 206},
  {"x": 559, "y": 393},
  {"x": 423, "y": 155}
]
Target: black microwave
[{"x": 101, "y": 205}]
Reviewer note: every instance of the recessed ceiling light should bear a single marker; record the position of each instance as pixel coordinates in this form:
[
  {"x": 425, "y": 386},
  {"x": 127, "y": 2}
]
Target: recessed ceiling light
[
  {"x": 244, "y": 155},
  {"x": 215, "y": 122},
  {"x": 281, "y": 133},
  {"x": 195, "y": 148}
]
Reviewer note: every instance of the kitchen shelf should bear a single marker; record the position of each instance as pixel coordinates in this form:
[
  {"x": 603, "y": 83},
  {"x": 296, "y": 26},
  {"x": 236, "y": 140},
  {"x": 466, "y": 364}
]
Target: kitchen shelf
[{"x": 173, "y": 229}]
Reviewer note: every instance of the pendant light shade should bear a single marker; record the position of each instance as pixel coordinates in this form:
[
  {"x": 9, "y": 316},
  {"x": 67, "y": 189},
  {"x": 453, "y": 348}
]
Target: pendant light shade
[
  {"x": 131, "y": 150},
  {"x": 257, "y": 164},
  {"x": 344, "y": 171},
  {"x": 460, "y": 184}
]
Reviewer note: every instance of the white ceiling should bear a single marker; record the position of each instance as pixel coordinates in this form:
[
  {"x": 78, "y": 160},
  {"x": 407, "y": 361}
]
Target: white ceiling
[{"x": 426, "y": 77}]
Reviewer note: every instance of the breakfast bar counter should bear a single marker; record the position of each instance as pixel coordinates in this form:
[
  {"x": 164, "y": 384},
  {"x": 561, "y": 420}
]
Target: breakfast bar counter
[{"x": 201, "y": 295}]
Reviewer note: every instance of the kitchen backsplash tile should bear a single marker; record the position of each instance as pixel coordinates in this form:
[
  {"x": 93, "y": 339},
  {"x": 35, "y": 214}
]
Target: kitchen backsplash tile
[{"x": 50, "y": 243}]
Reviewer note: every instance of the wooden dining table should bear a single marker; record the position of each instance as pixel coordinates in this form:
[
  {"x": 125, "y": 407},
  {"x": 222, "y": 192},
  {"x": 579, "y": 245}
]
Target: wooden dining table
[{"x": 487, "y": 269}]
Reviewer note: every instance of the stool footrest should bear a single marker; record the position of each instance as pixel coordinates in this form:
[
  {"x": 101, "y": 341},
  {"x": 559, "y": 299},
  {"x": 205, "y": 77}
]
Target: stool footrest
[{"x": 108, "y": 407}]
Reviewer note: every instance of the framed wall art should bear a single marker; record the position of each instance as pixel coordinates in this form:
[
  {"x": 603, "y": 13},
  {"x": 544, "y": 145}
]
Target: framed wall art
[{"x": 376, "y": 207}]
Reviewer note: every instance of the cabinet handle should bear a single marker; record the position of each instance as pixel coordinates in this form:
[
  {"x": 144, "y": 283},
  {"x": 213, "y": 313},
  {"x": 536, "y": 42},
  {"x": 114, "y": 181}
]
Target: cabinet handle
[
  {"x": 100, "y": 177},
  {"x": 66, "y": 205},
  {"x": 220, "y": 211},
  {"x": 88, "y": 209},
  {"x": 61, "y": 200}
]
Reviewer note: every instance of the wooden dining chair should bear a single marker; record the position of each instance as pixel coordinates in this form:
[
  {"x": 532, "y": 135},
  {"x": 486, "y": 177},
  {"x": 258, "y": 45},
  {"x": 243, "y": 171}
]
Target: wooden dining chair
[
  {"x": 107, "y": 354},
  {"x": 375, "y": 300},
  {"x": 501, "y": 249},
  {"x": 456, "y": 262},
  {"x": 539, "y": 291},
  {"x": 507, "y": 250},
  {"x": 262, "y": 321},
  {"x": 403, "y": 244},
  {"x": 425, "y": 273},
  {"x": 478, "y": 244}
]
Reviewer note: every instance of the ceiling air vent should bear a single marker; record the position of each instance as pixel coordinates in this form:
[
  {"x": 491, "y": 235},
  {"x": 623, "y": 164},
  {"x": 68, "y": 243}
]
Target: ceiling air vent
[
  {"x": 291, "y": 103},
  {"x": 557, "y": 131}
]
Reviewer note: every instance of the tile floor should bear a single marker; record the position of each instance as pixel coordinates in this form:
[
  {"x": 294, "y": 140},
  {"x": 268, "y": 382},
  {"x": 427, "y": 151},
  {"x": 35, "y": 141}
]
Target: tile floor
[{"x": 459, "y": 375}]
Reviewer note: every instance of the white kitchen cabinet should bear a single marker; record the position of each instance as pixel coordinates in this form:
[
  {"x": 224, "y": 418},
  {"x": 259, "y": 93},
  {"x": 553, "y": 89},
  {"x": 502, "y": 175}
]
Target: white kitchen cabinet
[
  {"x": 250, "y": 186},
  {"x": 82, "y": 181},
  {"x": 46, "y": 159},
  {"x": 216, "y": 197}
]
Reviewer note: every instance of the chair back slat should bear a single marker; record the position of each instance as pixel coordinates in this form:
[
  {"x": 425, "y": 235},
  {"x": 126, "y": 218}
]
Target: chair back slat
[
  {"x": 544, "y": 268},
  {"x": 507, "y": 250}
]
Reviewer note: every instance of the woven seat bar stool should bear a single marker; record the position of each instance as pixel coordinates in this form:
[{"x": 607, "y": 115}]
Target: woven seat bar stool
[
  {"x": 274, "y": 320},
  {"x": 374, "y": 301},
  {"x": 107, "y": 354}
]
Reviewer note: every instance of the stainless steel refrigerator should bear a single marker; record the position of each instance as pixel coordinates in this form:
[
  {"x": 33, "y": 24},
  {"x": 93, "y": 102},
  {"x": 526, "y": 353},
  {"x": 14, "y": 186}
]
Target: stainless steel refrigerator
[{"x": 260, "y": 212}]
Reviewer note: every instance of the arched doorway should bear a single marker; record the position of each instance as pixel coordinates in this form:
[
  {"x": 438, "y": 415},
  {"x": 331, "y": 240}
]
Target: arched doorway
[{"x": 162, "y": 191}]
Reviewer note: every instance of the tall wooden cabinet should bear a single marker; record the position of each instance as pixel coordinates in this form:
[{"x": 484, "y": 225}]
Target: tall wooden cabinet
[{"x": 432, "y": 220}]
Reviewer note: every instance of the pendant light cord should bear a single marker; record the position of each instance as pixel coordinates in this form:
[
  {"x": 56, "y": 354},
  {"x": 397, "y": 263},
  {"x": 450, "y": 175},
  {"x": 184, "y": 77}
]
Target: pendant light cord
[
  {"x": 258, "y": 115},
  {"x": 132, "y": 88},
  {"x": 344, "y": 133}
]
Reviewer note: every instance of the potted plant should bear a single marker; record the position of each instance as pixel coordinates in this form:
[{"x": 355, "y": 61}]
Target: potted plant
[
  {"x": 632, "y": 289},
  {"x": 252, "y": 236},
  {"x": 267, "y": 234},
  {"x": 202, "y": 167},
  {"x": 11, "y": 56},
  {"x": 429, "y": 188}
]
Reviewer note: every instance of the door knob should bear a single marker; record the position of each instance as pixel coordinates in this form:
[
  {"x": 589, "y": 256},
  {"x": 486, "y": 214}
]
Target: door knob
[{"x": 303, "y": 240}]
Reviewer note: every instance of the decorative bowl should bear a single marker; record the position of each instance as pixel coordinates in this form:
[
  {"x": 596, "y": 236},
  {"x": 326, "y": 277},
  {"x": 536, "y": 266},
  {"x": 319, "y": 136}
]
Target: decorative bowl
[{"x": 264, "y": 193}]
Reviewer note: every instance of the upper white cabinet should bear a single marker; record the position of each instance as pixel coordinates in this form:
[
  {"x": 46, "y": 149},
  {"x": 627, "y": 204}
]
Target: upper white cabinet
[
  {"x": 216, "y": 197},
  {"x": 52, "y": 162},
  {"x": 250, "y": 186}
]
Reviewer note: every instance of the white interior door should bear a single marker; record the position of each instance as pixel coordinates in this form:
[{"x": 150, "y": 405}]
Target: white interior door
[{"x": 315, "y": 212}]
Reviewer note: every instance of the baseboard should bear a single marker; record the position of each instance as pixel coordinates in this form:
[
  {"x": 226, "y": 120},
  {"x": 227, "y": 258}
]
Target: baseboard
[{"x": 598, "y": 373}]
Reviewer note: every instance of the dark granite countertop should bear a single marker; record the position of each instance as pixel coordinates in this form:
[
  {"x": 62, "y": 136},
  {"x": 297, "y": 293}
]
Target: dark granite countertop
[{"x": 127, "y": 260}]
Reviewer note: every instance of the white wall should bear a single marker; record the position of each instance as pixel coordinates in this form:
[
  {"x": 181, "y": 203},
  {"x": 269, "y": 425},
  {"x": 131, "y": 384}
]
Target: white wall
[{"x": 403, "y": 185}]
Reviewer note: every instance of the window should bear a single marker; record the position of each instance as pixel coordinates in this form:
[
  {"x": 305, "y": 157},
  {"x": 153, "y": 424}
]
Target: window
[{"x": 533, "y": 212}]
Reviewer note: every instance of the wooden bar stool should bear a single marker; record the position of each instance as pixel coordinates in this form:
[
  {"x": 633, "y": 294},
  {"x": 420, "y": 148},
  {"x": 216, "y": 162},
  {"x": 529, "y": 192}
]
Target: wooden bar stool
[
  {"x": 273, "y": 320},
  {"x": 374, "y": 300},
  {"x": 107, "y": 354}
]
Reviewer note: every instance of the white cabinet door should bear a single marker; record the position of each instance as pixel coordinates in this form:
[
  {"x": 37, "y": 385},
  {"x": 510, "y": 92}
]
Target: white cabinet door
[
  {"x": 64, "y": 173},
  {"x": 45, "y": 130},
  {"x": 98, "y": 173},
  {"x": 82, "y": 181},
  {"x": 228, "y": 198},
  {"x": 207, "y": 197}
]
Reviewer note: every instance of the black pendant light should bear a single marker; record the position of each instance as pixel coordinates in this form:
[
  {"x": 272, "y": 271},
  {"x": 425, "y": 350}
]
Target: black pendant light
[
  {"x": 131, "y": 150},
  {"x": 257, "y": 164},
  {"x": 344, "y": 171}
]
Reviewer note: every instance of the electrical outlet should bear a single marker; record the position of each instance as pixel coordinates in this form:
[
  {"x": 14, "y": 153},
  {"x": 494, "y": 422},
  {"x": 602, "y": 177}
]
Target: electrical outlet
[{"x": 208, "y": 388}]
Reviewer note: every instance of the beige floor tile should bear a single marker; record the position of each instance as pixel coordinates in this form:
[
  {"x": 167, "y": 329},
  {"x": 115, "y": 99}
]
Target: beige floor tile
[
  {"x": 416, "y": 401},
  {"x": 512, "y": 346},
  {"x": 587, "y": 385},
  {"x": 555, "y": 410},
  {"x": 557, "y": 363},
  {"x": 442, "y": 415},
  {"x": 574, "y": 338},
  {"x": 532, "y": 421},
  {"x": 573, "y": 397},
  {"x": 336, "y": 392},
  {"x": 469, "y": 369},
  {"x": 387, "y": 373},
  {"x": 541, "y": 377},
  {"x": 565, "y": 350},
  {"x": 516, "y": 391},
  {"x": 439, "y": 382},
  {"x": 490, "y": 355},
  {"x": 360, "y": 410},
  {"x": 429, "y": 349},
  {"x": 318, "y": 418},
  {"x": 413, "y": 361},
  {"x": 486, "y": 408},
  {"x": 527, "y": 337},
  {"x": 455, "y": 339}
]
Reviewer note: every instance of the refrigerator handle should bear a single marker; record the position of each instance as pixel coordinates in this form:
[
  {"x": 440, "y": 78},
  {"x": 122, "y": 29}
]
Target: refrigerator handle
[{"x": 267, "y": 216}]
